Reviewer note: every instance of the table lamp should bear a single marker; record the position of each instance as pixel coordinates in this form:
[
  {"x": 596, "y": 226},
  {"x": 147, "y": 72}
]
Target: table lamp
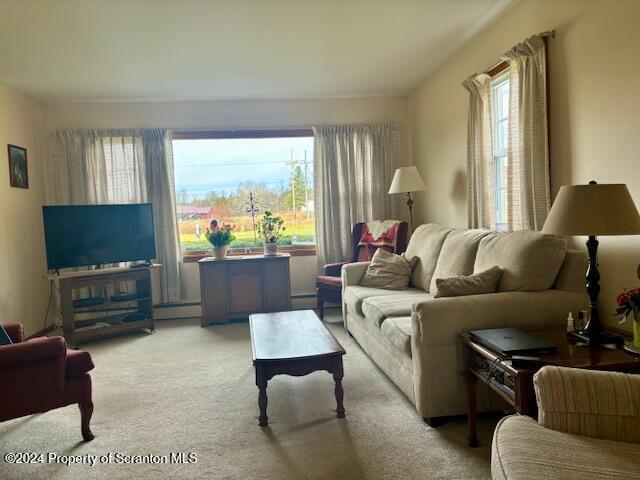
[
  {"x": 405, "y": 181},
  {"x": 593, "y": 210}
]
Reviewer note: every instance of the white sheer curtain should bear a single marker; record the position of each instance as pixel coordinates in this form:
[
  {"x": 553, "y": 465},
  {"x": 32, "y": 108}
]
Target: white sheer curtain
[
  {"x": 481, "y": 211},
  {"x": 529, "y": 186},
  {"x": 122, "y": 166},
  {"x": 353, "y": 167}
]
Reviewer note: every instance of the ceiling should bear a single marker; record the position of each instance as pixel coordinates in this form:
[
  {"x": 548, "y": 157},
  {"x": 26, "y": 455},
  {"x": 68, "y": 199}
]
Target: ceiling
[{"x": 126, "y": 50}]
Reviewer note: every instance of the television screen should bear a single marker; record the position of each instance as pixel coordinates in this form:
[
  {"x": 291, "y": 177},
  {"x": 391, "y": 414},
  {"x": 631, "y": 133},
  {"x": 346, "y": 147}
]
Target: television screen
[{"x": 83, "y": 235}]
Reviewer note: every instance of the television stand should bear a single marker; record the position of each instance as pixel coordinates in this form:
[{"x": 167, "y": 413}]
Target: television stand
[{"x": 107, "y": 311}]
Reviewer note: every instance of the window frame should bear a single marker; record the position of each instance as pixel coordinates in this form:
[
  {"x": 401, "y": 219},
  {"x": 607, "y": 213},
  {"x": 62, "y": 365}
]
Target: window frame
[
  {"x": 498, "y": 80},
  {"x": 294, "y": 251}
]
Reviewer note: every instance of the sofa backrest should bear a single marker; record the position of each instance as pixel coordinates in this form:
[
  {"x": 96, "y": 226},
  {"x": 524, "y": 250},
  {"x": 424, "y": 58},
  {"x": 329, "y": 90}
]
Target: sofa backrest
[
  {"x": 425, "y": 243},
  {"x": 457, "y": 255},
  {"x": 571, "y": 277},
  {"x": 531, "y": 261}
]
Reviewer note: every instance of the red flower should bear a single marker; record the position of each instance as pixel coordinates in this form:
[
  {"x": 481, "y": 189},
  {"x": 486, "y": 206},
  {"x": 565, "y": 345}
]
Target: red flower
[{"x": 622, "y": 299}]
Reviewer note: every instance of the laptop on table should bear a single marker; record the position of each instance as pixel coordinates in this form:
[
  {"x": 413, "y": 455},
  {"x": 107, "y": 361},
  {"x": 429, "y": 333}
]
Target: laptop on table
[{"x": 511, "y": 341}]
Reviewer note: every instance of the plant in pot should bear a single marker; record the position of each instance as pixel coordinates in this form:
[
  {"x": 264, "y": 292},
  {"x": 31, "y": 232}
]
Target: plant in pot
[
  {"x": 270, "y": 228},
  {"x": 220, "y": 238}
]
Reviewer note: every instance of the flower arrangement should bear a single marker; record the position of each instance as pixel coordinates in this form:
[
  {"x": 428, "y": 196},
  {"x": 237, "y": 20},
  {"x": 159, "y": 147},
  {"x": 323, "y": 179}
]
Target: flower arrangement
[
  {"x": 270, "y": 228},
  {"x": 628, "y": 302},
  {"x": 220, "y": 237}
]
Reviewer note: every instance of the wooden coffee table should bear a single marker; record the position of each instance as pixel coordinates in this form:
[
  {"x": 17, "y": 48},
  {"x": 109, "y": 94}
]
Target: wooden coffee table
[
  {"x": 515, "y": 385},
  {"x": 293, "y": 343}
]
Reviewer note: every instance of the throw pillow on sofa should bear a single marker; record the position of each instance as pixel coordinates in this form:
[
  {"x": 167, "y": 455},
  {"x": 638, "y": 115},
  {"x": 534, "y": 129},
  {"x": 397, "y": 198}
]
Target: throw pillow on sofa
[
  {"x": 388, "y": 270},
  {"x": 478, "y": 283}
]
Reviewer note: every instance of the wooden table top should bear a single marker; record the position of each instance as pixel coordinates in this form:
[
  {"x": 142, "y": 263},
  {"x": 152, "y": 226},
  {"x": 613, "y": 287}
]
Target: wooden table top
[
  {"x": 245, "y": 258},
  {"x": 98, "y": 271},
  {"x": 290, "y": 335},
  {"x": 570, "y": 355}
]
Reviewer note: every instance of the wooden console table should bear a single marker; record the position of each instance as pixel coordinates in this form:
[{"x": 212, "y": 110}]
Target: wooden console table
[
  {"x": 515, "y": 385},
  {"x": 235, "y": 287},
  {"x": 106, "y": 314}
]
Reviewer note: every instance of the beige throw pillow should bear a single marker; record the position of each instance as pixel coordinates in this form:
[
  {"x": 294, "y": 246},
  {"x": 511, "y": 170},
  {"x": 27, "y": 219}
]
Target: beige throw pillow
[
  {"x": 482, "y": 282},
  {"x": 388, "y": 270}
]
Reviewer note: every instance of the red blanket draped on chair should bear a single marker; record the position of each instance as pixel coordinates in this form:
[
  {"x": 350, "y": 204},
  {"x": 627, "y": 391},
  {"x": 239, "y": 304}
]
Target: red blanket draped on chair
[{"x": 377, "y": 234}]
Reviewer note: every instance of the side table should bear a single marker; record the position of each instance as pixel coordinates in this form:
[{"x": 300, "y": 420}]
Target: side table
[{"x": 515, "y": 385}]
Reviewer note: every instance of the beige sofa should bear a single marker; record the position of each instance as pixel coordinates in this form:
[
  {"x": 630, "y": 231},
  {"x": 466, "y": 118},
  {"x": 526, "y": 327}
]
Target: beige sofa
[
  {"x": 588, "y": 429},
  {"x": 414, "y": 337}
]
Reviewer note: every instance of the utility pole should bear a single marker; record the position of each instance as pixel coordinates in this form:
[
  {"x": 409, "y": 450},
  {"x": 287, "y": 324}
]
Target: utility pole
[
  {"x": 306, "y": 184},
  {"x": 292, "y": 165}
]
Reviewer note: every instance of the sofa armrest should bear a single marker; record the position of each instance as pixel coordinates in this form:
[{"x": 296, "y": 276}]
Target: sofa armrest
[
  {"x": 440, "y": 321},
  {"x": 35, "y": 350},
  {"x": 32, "y": 376},
  {"x": 352, "y": 273},
  {"x": 598, "y": 404},
  {"x": 333, "y": 269}
]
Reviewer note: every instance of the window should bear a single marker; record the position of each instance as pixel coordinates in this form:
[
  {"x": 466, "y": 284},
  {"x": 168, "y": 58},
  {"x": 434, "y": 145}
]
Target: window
[
  {"x": 500, "y": 99},
  {"x": 219, "y": 174}
]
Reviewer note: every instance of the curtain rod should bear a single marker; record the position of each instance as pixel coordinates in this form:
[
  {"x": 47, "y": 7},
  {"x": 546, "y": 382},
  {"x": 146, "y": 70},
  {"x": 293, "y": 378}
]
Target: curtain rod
[{"x": 502, "y": 65}]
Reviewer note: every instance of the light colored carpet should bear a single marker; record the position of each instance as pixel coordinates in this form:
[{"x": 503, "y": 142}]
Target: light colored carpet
[{"x": 188, "y": 389}]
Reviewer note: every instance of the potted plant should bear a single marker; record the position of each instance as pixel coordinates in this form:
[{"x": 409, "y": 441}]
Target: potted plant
[
  {"x": 220, "y": 237},
  {"x": 270, "y": 228}
]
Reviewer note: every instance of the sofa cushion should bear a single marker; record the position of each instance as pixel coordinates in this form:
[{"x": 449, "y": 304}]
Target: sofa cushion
[
  {"x": 354, "y": 295},
  {"x": 425, "y": 243},
  {"x": 530, "y": 261},
  {"x": 388, "y": 270},
  {"x": 522, "y": 449},
  {"x": 398, "y": 331},
  {"x": 377, "y": 309},
  {"x": 78, "y": 362},
  {"x": 476, "y": 284},
  {"x": 458, "y": 254}
]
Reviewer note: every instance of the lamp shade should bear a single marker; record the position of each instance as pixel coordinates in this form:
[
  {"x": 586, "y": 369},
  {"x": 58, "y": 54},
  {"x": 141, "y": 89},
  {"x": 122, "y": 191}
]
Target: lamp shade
[
  {"x": 406, "y": 179},
  {"x": 594, "y": 209}
]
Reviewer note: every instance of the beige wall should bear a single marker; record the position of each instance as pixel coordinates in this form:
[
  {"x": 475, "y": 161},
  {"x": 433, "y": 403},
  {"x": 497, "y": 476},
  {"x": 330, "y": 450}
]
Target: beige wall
[
  {"x": 230, "y": 115},
  {"x": 595, "y": 119},
  {"x": 23, "y": 290}
]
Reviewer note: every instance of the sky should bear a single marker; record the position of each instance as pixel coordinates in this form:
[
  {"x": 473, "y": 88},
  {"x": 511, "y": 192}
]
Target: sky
[{"x": 221, "y": 165}]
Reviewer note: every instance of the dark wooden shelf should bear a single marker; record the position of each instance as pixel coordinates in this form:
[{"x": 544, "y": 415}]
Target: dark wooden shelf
[
  {"x": 75, "y": 330},
  {"x": 96, "y": 307}
]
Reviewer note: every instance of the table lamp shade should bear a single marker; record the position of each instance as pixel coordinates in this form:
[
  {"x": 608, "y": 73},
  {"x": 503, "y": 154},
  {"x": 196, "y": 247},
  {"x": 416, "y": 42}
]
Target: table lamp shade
[
  {"x": 406, "y": 179},
  {"x": 594, "y": 209}
]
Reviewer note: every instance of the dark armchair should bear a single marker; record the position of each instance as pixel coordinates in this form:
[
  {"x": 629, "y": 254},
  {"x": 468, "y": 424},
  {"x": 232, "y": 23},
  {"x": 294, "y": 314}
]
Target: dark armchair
[
  {"x": 365, "y": 242},
  {"x": 40, "y": 374}
]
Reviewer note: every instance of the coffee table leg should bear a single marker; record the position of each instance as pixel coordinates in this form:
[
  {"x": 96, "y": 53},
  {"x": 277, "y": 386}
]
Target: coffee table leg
[
  {"x": 337, "y": 377},
  {"x": 261, "y": 382}
]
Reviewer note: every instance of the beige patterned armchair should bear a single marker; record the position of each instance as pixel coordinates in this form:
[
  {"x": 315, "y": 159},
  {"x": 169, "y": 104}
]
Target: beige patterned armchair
[{"x": 588, "y": 428}]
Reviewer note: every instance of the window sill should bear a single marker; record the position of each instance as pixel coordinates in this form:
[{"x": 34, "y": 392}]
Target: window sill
[{"x": 193, "y": 257}]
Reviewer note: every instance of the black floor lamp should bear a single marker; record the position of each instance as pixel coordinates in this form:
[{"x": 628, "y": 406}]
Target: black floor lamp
[
  {"x": 593, "y": 210},
  {"x": 405, "y": 181}
]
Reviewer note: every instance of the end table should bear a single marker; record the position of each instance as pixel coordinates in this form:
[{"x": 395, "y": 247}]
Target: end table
[{"x": 515, "y": 385}]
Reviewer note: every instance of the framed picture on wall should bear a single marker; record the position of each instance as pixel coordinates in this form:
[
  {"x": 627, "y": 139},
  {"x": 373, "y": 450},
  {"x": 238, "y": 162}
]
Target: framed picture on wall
[{"x": 18, "y": 174}]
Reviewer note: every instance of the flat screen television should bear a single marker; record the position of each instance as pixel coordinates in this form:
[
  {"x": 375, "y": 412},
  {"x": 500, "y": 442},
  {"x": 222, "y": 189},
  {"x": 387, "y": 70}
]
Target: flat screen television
[{"x": 85, "y": 235}]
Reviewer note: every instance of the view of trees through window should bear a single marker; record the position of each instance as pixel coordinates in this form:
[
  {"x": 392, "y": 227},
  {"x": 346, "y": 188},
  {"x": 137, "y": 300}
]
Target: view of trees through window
[
  {"x": 500, "y": 98},
  {"x": 215, "y": 177}
]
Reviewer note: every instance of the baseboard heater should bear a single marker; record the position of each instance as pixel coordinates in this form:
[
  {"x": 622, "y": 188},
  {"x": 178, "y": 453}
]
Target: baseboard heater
[{"x": 300, "y": 296}]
